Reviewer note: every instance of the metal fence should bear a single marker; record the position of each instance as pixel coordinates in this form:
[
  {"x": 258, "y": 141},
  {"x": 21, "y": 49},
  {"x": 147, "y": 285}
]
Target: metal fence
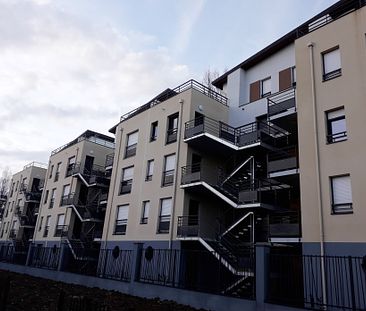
[
  {"x": 318, "y": 282},
  {"x": 115, "y": 264},
  {"x": 44, "y": 257},
  {"x": 196, "y": 270}
]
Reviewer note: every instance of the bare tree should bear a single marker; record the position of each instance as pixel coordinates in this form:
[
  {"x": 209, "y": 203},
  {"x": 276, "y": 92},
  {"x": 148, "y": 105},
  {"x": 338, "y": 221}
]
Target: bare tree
[
  {"x": 5, "y": 181},
  {"x": 208, "y": 77}
]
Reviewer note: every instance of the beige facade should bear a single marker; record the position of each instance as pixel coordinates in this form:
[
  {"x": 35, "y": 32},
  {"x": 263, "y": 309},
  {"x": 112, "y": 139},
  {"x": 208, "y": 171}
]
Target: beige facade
[
  {"x": 22, "y": 203},
  {"x": 343, "y": 93},
  {"x": 151, "y": 189},
  {"x": 69, "y": 174}
]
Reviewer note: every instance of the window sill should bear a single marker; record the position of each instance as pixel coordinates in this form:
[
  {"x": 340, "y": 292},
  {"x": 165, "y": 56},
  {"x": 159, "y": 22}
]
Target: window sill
[
  {"x": 119, "y": 233},
  {"x": 332, "y": 75},
  {"x": 335, "y": 142},
  {"x": 342, "y": 212}
]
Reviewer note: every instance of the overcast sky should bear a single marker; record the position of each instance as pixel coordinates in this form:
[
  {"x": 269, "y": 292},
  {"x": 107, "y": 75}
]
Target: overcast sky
[{"x": 71, "y": 65}]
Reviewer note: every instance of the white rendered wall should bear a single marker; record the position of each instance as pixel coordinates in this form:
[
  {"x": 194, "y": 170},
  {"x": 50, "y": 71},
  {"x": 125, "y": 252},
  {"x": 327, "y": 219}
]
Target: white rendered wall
[{"x": 238, "y": 83}]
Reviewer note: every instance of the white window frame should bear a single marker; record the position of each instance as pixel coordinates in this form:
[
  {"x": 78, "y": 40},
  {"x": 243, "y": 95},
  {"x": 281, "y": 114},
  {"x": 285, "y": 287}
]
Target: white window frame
[{"x": 341, "y": 194}]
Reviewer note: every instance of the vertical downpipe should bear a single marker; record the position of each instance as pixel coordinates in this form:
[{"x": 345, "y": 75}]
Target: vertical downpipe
[
  {"x": 317, "y": 168},
  {"x": 111, "y": 193},
  {"x": 176, "y": 183}
]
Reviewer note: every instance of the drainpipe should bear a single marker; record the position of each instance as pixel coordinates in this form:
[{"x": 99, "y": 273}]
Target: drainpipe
[
  {"x": 111, "y": 195},
  {"x": 317, "y": 168},
  {"x": 176, "y": 184}
]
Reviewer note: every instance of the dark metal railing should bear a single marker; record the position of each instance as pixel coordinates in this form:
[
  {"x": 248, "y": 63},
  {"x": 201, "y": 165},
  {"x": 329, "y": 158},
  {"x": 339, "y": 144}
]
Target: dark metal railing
[
  {"x": 247, "y": 134},
  {"x": 164, "y": 224},
  {"x": 126, "y": 186},
  {"x": 188, "y": 226},
  {"x": 336, "y": 137},
  {"x": 168, "y": 178},
  {"x": 281, "y": 102},
  {"x": 44, "y": 257},
  {"x": 298, "y": 281},
  {"x": 61, "y": 230},
  {"x": 171, "y": 135},
  {"x": 192, "y": 270},
  {"x": 130, "y": 150},
  {"x": 115, "y": 264},
  {"x": 191, "y": 84},
  {"x": 23, "y": 187},
  {"x": 68, "y": 199},
  {"x": 283, "y": 159},
  {"x": 285, "y": 224},
  {"x": 13, "y": 234},
  {"x": 120, "y": 226}
]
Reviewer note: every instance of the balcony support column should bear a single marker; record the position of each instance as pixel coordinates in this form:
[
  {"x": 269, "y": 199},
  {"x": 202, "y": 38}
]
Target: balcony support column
[{"x": 261, "y": 273}]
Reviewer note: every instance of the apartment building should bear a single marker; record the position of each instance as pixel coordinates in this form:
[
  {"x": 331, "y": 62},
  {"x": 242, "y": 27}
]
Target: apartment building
[
  {"x": 22, "y": 205},
  {"x": 75, "y": 193},
  {"x": 311, "y": 84}
]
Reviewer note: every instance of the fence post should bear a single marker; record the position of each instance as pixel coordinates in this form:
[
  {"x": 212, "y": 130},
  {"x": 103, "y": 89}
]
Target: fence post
[
  {"x": 352, "y": 284},
  {"x": 261, "y": 273},
  {"x": 136, "y": 263},
  {"x": 29, "y": 253},
  {"x": 62, "y": 255}
]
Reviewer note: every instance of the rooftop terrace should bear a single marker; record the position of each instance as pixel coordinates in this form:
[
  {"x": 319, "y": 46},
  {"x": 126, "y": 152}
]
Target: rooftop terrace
[
  {"x": 91, "y": 136},
  {"x": 35, "y": 164}
]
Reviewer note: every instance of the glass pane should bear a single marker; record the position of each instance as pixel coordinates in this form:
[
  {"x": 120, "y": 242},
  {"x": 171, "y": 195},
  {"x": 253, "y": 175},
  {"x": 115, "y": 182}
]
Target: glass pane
[
  {"x": 132, "y": 138},
  {"x": 332, "y": 61},
  {"x": 342, "y": 192}
]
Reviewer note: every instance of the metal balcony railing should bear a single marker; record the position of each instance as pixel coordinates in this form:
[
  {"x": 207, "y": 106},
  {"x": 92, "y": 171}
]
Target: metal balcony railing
[
  {"x": 285, "y": 224},
  {"x": 281, "y": 160},
  {"x": 120, "y": 227},
  {"x": 164, "y": 224},
  {"x": 23, "y": 187},
  {"x": 130, "y": 150},
  {"x": 191, "y": 84},
  {"x": 171, "y": 135},
  {"x": 61, "y": 231},
  {"x": 68, "y": 199},
  {"x": 188, "y": 226},
  {"x": 168, "y": 178},
  {"x": 126, "y": 186},
  {"x": 239, "y": 136},
  {"x": 281, "y": 102}
]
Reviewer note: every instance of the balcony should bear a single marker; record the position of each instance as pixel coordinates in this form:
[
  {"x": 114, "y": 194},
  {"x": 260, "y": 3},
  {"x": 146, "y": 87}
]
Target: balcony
[
  {"x": 23, "y": 187},
  {"x": 238, "y": 192},
  {"x": 96, "y": 176},
  {"x": 281, "y": 104},
  {"x": 109, "y": 161},
  {"x": 33, "y": 197},
  {"x": 282, "y": 160},
  {"x": 188, "y": 226},
  {"x": 285, "y": 224},
  {"x": 61, "y": 231},
  {"x": 210, "y": 133},
  {"x": 103, "y": 199},
  {"x": 68, "y": 199}
]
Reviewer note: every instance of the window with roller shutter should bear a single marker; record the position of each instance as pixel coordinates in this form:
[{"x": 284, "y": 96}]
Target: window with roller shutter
[{"x": 341, "y": 194}]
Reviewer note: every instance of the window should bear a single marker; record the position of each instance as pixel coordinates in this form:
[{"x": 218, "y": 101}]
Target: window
[
  {"x": 154, "y": 131},
  {"x": 331, "y": 64},
  {"x": 70, "y": 166},
  {"x": 58, "y": 169},
  {"x": 23, "y": 185},
  {"x": 51, "y": 171},
  {"x": 149, "y": 170},
  {"x": 341, "y": 194},
  {"x": 16, "y": 187},
  {"x": 172, "y": 130},
  {"x": 53, "y": 195},
  {"x": 126, "y": 183},
  {"x": 46, "y": 197},
  {"x": 131, "y": 145},
  {"x": 145, "y": 212},
  {"x": 40, "y": 224},
  {"x": 47, "y": 226},
  {"x": 336, "y": 126},
  {"x": 60, "y": 225},
  {"x": 164, "y": 218},
  {"x": 122, "y": 218},
  {"x": 66, "y": 198},
  {"x": 169, "y": 167},
  {"x": 266, "y": 87}
]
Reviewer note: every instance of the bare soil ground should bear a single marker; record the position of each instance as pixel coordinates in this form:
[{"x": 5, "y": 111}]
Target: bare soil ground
[{"x": 37, "y": 294}]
